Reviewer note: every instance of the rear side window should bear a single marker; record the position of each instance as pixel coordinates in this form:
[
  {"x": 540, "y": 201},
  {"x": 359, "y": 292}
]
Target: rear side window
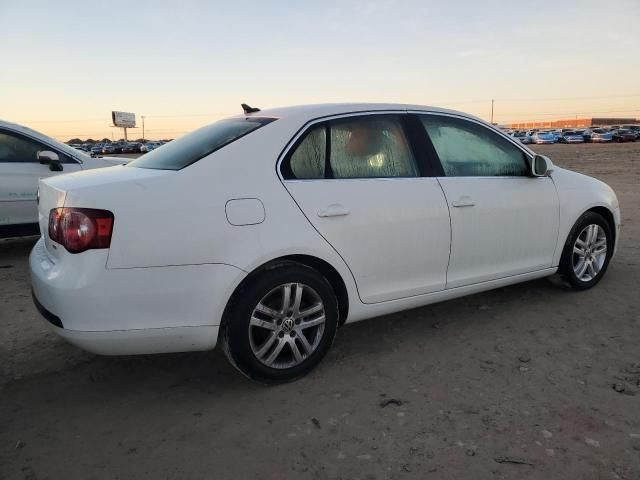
[
  {"x": 189, "y": 149},
  {"x": 309, "y": 158},
  {"x": 372, "y": 146},
  {"x": 467, "y": 149}
]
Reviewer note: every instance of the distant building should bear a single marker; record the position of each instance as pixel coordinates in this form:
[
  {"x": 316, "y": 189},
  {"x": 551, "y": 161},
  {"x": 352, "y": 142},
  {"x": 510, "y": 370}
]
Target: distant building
[{"x": 575, "y": 122}]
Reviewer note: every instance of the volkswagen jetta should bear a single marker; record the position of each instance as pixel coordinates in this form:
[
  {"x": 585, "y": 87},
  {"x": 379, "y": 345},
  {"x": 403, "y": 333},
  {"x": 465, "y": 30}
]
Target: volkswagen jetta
[{"x": 266, "y": 231}]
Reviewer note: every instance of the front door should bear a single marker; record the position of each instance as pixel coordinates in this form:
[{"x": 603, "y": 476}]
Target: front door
[
  {"x": 358, "y": 182},
  {"x": 504, "y": 221},
  {"x": 19, "y": 174}
]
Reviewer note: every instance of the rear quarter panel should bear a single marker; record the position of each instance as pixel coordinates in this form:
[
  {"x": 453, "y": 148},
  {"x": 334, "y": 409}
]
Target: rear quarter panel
[{"x": 180, "y": 219}]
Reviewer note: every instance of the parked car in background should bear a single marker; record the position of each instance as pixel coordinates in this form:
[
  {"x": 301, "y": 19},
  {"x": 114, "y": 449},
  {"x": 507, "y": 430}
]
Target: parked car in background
[
  {"x": 25, "y": 157},
  {"x": 634, "y": 128},
  {"x": 571, "y": 136},
  {"x": 108, "y": 148},
  {"x": 97, "y": 149},
  {"x": 149, "y": 146},
  {"x": 586, "y": 134},
  {"x": 118, "y": 146},
  {"x": 133, "y": 147},
  {"x": 601, "y": 135},
  {"x": 479, "y": 211},
  {"x": 522, "y": 136},
  {"x": 623, "y": 135},
  {"x": 557, "y": 134},
  {"x": 543, "y": 137}
]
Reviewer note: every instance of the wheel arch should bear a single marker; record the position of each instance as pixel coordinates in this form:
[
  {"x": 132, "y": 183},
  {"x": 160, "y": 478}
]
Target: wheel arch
[
  {"x": 601, "y": 210},
  {"x": 322, "y": 266},
  {"x": 608, "y": 216}
]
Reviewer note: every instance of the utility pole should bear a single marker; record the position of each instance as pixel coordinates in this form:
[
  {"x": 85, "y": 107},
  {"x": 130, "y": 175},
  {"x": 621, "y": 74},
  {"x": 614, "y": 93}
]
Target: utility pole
[
  {"x": 142, "y": 127},
  {"x": 492, "y": 110}
]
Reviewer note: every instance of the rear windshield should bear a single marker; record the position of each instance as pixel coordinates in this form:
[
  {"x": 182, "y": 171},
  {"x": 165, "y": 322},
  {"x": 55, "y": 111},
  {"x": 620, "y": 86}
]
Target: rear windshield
[{"x": 189, "y": 149}]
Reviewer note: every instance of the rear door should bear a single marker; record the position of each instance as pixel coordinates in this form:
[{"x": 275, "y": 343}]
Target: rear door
[
  {"x": 504, "y": 221},
  {"x": 19, "y": 174},
  {"x": 360, "y": 182}
]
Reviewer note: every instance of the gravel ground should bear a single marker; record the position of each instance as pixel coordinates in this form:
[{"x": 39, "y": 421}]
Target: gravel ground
[{"x": 529, "y": 381}]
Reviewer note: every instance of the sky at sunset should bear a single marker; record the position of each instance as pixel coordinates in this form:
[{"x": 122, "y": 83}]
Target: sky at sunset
[{"x": 66, "y": 65}]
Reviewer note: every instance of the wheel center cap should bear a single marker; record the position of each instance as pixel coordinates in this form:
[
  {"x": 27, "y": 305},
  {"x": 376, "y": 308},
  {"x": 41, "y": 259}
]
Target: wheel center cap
[{"x": 287, "y": 325}]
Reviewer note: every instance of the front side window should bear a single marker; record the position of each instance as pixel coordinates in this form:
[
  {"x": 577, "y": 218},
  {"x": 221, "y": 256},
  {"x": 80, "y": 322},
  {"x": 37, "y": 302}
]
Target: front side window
[
  {"x": 467, "y": 149},
  {"x": 19, "y": 149},
  {"x": 372, "y": 146},
  {"x": 187, "y": 150}
]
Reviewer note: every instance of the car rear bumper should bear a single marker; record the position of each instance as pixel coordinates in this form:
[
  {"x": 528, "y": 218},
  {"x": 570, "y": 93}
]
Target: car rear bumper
[{"x": 131, "y": 311}]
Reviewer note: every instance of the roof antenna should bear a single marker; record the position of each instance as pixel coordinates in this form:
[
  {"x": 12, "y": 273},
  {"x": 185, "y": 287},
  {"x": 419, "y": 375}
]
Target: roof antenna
[{"x": 248, "y": 109}]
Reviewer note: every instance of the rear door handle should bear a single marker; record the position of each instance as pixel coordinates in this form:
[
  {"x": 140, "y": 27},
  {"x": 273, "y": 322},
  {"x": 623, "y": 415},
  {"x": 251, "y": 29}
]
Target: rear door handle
[
  {"x": 464, "y": 201},
  {"x": 333, "y": 210}
]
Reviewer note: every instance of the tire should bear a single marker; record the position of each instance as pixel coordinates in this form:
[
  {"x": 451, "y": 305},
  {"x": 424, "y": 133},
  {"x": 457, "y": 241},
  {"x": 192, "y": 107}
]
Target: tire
[
  {"x": 256, "y": 323},
  {"x": 588, "y": 234}
]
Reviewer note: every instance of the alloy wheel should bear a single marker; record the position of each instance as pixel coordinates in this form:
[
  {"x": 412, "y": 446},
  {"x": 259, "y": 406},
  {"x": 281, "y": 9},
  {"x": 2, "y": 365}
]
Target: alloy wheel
[
  {"x": 589, "y": 252},
  {"x": 287, "y": 325}
]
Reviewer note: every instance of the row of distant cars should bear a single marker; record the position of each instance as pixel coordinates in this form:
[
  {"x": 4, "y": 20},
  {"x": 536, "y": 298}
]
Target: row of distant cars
[
  {"x": 616, "y": 133},
  {"x": 96, "y": 149}
]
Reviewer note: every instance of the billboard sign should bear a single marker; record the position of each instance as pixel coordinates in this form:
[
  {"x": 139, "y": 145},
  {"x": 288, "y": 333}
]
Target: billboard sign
[{"x": 123, "y": 119}]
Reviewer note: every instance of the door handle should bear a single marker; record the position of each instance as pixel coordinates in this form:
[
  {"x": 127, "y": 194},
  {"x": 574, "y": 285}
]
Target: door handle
[
  {"x": 334, "y": 210},
  {"x": 464, "y": 201}
]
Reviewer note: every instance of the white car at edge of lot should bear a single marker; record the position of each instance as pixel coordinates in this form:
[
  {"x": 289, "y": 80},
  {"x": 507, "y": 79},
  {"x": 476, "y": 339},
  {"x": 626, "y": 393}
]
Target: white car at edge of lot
[
  {"x": 25, "y": 157},
  {"x": 266, "y": 231},
  {"x": 544, "y": 138}
]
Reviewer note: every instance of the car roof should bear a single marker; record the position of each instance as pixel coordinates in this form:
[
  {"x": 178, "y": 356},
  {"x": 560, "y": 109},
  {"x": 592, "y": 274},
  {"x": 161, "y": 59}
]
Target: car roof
[{"x": 310, "y": 112}]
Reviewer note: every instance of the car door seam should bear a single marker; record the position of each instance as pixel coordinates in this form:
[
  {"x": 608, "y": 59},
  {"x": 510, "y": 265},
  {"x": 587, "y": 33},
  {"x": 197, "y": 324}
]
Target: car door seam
[
  {"x": 324, "y": 238},
  {"x": 446, "y": 200}
]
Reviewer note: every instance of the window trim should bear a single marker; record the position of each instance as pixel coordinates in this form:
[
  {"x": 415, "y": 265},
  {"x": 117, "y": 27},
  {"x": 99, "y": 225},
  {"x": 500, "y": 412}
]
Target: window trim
[
  {"x": 283, "y": 167},
  {"x": 61, "y": 154},
  {"x": 527, "y": 154}
]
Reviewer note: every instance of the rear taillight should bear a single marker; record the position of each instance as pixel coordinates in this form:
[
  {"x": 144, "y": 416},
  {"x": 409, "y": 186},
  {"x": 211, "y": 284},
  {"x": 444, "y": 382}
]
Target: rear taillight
[{"x": 80, "y": 229}]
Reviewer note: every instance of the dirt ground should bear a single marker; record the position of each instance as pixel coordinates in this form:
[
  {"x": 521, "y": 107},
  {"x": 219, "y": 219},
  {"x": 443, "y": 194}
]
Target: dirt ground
[{"x": 529, "y": 381}]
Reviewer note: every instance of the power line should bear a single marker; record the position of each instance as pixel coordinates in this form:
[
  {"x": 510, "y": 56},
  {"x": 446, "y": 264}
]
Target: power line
[
  {"x": 567, "y": 98},
  {"x": 512, "y": 114},
  {"x": 541, "y": 99}
]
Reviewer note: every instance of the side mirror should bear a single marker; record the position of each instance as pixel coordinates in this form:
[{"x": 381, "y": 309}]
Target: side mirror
[
  {"x": 542, "y": 166},
  {"x": 51, "y": 158}
]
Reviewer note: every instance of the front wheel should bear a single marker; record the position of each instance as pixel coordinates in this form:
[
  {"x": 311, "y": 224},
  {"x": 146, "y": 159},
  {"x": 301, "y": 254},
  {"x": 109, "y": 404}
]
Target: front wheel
[
  {"x": 587, "y": 251},
  {"x": 281, "y": 323}
]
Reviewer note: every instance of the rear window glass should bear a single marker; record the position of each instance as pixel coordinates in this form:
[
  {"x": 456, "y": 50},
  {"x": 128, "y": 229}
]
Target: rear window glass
[{"x": 196, "y": 145}]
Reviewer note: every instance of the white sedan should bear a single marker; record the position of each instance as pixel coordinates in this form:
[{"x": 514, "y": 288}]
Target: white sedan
[
  {"x": 543, "y": 137},
  {"x": 266, "y": 231},
  {"x": 25, "y": 157}
]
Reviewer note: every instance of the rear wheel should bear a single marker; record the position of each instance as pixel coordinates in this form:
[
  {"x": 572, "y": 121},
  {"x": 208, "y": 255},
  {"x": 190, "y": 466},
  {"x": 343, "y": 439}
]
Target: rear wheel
[
  {"x": 587, "y": 252},
  {"x": 281, "y": 323}
]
